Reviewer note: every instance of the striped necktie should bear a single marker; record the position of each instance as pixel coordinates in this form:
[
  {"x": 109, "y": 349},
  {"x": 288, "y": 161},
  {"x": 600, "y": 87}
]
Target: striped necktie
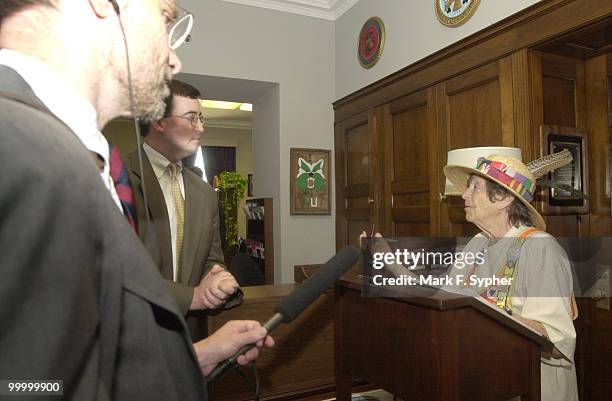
[
  {"x": 179, "y": 206},
  {"x": 120, "y": 177}
]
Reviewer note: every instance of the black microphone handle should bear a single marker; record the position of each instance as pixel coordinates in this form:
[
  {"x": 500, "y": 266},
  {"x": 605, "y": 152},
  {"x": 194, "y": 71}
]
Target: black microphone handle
[
  {"x": 304, "y": 295},
  {"x": 233, "y": 360},
  {"x": 293, "y": 305}
]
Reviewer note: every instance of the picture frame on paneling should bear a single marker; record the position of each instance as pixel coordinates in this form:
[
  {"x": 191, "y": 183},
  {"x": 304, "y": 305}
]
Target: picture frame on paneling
[
  {"x": 310, "y": 176},
  {"x": 557, "y": 201}
]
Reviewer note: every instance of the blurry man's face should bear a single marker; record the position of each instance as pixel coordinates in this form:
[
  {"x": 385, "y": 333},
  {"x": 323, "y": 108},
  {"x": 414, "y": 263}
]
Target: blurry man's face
[
  {"x": 180, "y": 134},
  {"x": 152, "y": 61}
]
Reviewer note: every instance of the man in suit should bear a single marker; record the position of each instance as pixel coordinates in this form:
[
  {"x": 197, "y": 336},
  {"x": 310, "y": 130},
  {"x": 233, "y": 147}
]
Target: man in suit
[
  {"x": 183, "y": 238},
  {"x": 80, "y": 299}
]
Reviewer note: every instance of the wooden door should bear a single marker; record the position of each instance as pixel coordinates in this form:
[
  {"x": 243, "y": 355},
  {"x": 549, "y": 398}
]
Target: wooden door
[
  {"x": 559, "y": 96},
  {"x": 357, "y": 177},
  {"x": 473, "y": 109},
  {"x": 409, "y": 162}
]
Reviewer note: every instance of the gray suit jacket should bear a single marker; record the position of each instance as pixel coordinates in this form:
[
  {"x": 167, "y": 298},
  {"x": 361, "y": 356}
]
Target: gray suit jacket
[
  {"x": 201, "y": 244},
  {"x": 80, "y": 299}
]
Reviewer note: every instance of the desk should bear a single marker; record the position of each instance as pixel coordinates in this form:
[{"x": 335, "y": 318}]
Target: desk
[
  {"x": 302, "y": 361},
  {"x": 434, "y": 347}
]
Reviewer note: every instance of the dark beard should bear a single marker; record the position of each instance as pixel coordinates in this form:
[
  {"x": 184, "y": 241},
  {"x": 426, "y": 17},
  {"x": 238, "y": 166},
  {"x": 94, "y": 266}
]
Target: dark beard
[
  {"x": 149, "y": 99},
  {"x": 151, "y": 104}
]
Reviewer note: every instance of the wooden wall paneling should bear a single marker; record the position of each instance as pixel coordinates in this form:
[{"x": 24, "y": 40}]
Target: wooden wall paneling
[
  {"x": 524, "y": 128},
  {"x": 537, "y": 99},
  {"x": 358, "y": 177},
  {"x": 473, "y": 109},
  {"x": 436, "y": 175},
  {"x": 496, "y": 75},
  {"x": 407, "y": 168},
  {"x": 592, "y": 41},
  {"x": 480, "y": 107},
  {"x": 596, "y": 352},
  {"x": 564, "y": 91},
  {"x": 530, "y": 27},
  {"x": 451, "y": 213},
  {"x": 583, "y": 353},
  {"x": 377, "y": 171},
  {"x": 506, "y": 97},
  {"x": 596, "y": 78},
  {"x": 387, "y": 228},
  {"x": 340, "y": 167},
  {"x": 609, "y": 175},
  {"x": 441, "y": 133},
  {"x": 599, "y": 354},
  {"x": 559, "y": 97}
]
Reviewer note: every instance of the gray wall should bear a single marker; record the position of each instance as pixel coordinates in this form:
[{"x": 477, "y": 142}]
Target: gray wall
[
  {"x": 297, "y": 53},
  {"x": 413, "y": 32}
]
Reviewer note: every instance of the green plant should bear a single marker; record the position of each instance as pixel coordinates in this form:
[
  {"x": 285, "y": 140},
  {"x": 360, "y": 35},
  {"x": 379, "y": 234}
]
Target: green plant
[{"x": 232, "y": 186}]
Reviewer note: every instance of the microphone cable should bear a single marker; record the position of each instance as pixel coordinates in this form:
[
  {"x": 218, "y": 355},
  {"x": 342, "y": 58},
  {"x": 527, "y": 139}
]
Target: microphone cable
[{"x": 256, "y": 387}]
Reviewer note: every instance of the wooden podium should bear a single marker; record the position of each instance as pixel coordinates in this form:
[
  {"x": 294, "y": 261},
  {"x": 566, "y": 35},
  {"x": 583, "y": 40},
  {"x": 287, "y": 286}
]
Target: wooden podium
[{"x": 433, "y": 346}]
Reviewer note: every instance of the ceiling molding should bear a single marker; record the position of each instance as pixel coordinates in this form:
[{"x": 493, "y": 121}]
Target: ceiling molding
[
  {"x": 228, "y": 124},
  {"x": 329, "y": 10}
]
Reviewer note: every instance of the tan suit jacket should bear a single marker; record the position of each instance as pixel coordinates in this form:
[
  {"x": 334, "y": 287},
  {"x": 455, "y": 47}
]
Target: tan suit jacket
[{"x": 201, "y": 243}]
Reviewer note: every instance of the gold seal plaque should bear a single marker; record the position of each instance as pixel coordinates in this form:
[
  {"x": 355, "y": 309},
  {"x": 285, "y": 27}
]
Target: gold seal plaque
[{"x": 455, "y": 12}]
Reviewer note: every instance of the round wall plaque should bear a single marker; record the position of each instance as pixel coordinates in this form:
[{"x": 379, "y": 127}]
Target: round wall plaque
[
  {"x": 371, "y": 42},
  {"x": 455, "y": 12}
]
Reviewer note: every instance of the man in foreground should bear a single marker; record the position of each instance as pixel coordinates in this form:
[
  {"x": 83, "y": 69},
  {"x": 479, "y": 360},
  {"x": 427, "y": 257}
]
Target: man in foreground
[{"x": 80, "y": 299}]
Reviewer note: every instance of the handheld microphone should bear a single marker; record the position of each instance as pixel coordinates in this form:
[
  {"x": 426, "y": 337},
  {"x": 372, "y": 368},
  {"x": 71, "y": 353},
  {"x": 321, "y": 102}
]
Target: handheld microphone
[{"x": 292, "y": 306}]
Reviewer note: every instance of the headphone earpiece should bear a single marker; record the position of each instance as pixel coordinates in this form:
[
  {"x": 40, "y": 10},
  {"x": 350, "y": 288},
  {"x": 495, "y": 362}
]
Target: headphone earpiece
[{"x": 115, "y": 6}]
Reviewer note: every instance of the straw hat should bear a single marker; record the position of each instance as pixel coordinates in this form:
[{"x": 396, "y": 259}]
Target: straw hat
[{"x": 509, "y": 172}]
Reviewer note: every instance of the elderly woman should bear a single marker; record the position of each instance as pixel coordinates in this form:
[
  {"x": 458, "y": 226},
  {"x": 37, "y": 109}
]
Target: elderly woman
[{"x": 497, "y": 194}]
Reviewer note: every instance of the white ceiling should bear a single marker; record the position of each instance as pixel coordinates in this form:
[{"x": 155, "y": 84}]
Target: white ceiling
[
  {"x": 324, "y": 9},
  {"x": 235, "y": 119}
]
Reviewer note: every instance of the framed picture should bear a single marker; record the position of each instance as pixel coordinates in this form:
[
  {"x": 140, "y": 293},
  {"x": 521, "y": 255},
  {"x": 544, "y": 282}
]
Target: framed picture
[
  {"x": 575, "y": 175},
  {"x": 310, "y": 176}
]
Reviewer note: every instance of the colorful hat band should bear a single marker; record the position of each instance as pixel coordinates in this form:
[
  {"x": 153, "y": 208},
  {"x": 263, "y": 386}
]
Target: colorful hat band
[{"x": 508, "y": 176}]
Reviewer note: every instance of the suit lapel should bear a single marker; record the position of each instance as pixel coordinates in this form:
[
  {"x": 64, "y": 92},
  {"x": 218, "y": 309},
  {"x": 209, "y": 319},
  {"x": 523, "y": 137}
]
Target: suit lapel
[
  {"x": 12, "y": 82},
  {"x": 194, "y": 223},
  {"x": 157, "y": 212}
]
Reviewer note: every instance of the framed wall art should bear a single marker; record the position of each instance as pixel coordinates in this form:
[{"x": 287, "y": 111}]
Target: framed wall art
[
  {"x": 310, "y": 176},
  {"x": 575, "y": 175}
]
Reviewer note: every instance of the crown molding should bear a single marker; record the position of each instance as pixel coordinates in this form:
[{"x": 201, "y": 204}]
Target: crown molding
[
  {"x": 228, "y": 124},
  {"x": 329, "y": 10}
]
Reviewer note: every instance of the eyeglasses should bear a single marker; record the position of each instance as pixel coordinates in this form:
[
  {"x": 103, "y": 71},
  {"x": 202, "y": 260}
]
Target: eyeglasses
[
  {"x": 192, "y": 118},
  {"x": 178, "y": 31}
]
